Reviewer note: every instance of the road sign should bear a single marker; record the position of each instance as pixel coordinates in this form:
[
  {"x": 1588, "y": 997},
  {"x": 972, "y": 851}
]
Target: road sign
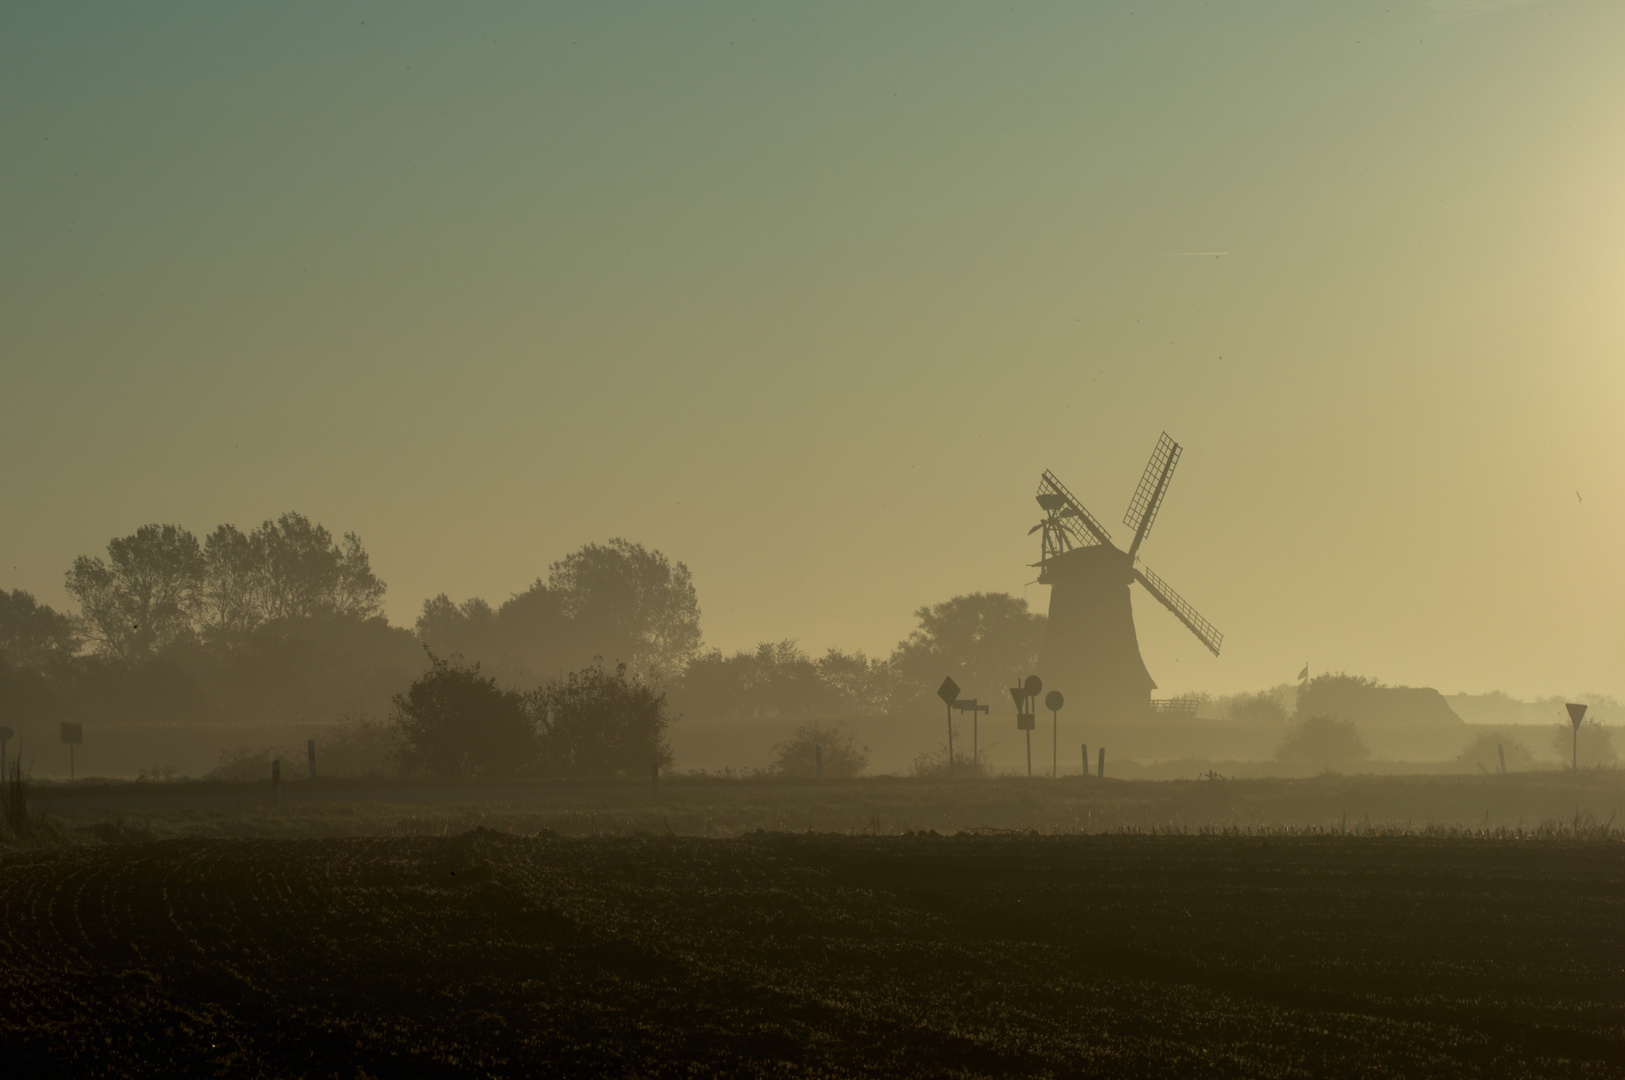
[
  {"x": 1026, "y": 721},
  {"x": 1034, "y": 685},
  {"x": 1018, "y": 695},
  {"x": 73, "y": 734},
  {"x": 948, "y": 691},
  {"x": 1053, "y": 701},
  {"x": 1577, "y": 713}
]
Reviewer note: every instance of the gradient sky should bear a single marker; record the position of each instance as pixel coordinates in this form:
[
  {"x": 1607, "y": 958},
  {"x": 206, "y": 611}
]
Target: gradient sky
[{"x": 808, "y": 297}]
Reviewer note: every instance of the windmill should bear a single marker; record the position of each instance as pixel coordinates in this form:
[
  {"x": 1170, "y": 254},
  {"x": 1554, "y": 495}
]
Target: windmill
[{"x": 1090, "y": 647}]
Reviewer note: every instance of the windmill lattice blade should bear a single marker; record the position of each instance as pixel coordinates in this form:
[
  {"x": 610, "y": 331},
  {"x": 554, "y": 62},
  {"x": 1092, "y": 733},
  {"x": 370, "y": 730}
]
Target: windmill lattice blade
[
  {"x": 1142, "y": 509},
  {"x": 1091, "y": 532},
  {"x": 1205, "y": 632}
]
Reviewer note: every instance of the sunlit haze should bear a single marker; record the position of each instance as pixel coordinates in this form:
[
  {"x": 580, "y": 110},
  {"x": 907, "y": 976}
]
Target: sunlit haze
[{"x": 809, "y": 297}]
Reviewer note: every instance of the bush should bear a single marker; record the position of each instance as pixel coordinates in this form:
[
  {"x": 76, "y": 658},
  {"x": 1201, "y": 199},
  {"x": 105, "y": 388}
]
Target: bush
[
  {"x": 1261, "y": 708},
  {"x": 596, "y": 722},
  {"x": 1596, "y": 745},
  {"x": 456, "y": 723},
  {"x": 1324, "y": 744},
  {"x": 1482, "y": 753},
  {"x": 360, "y": 745},
  {"x": 246, "y": 764},
  {"x": 842, "y": 754}
]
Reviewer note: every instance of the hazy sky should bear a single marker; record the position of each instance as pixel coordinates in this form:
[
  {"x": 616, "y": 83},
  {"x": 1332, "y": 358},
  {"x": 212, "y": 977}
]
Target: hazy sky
[{"x": 808, "y": 297}]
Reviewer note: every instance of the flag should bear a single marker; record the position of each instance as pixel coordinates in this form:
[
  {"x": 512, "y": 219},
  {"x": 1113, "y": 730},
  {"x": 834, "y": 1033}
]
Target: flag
[{"x": 1304, "y": 674}]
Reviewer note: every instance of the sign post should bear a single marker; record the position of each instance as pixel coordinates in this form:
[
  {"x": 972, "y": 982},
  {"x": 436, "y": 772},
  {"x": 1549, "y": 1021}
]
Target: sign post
[
  {"x": 949, "y": 693},
  {"x": 73, "y": 735},
  {"x": 1053, "y": 702},
  {"x": 1577, "y": 713},
  {"x": 976, "y": 710}
]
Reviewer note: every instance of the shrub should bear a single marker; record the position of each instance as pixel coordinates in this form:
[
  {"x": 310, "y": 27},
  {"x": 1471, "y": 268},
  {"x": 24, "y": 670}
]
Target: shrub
[
  {"x": 1323, "y": 743},
  {"x": 1482, "y": 753},
  {"x": 360, "y": 745},
  {"x": 1262, "y": 707},
  {"x": 1596, "y": 744},
  {"x": 597, "y": 722},
  {"x": 455, "y": 722},
  {"x": 246, "y": 764},
  {"x": 841, "y": 752}
]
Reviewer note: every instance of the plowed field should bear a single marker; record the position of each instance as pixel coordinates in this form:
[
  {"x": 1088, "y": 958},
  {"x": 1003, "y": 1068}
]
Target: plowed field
[{"x": 781, "y": 955}]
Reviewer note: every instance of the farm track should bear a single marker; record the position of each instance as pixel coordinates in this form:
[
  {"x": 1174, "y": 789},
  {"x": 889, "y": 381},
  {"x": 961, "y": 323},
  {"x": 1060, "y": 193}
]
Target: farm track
[{"x": 817, "y": 956}]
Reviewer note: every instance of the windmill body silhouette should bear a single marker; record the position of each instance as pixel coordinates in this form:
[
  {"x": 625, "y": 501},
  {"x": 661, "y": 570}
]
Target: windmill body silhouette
[{"x": 1090, "y": 648}]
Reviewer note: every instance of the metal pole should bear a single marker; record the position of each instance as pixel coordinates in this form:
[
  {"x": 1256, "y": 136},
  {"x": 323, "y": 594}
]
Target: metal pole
[
  {"x": 975, "y": 742},
  {"x": 1055, "y": 743},
  {"x": 950, "y": 740},
  {"x": 1576, "y": 747}
]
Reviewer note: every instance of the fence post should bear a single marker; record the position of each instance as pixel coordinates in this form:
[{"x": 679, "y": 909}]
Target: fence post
[
  {"x": 1102, "y": 773},
  {"x": 1086, "y": 761}
]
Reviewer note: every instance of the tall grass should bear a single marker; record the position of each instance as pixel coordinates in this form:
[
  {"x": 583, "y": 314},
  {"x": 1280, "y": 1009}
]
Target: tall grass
[{"x": 14, "y": 799}]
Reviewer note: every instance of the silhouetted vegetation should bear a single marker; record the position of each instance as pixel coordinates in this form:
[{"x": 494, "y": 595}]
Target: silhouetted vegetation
[
  {"x": 456, "y": 722},
  {"x": 600, "y": 722},
  {"x": 820, "y": 749},
  {"x": 1323, "y": 744}
]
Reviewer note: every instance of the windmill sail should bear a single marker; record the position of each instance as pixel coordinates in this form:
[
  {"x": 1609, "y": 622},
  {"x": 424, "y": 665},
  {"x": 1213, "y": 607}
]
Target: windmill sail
[
  {"x": 1205, "y": 632},
  {"x": 1142, "y": 509},
  {"x": 1080, "y": 526}
]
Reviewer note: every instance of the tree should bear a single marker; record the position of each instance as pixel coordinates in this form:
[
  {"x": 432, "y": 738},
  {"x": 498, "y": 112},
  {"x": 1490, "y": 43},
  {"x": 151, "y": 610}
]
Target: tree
[
  {"x": 985, "y": 641},
  {"x": 141, "y": 597},
  {"x": 290, "y": 568},
  {"x": 32, "y": 635},
  {"x": 455, "y": 722},
  {"x": 598, "y": 722},
  {"x": 629, "y": 603}
]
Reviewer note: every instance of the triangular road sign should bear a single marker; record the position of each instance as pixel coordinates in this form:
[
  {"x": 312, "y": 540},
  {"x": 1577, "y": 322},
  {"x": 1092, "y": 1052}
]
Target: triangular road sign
[{"x": 1576, "y": 713}]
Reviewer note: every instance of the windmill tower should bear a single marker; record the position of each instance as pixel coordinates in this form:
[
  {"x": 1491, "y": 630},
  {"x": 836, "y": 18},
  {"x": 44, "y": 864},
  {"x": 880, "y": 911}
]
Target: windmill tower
[{"x": 1090, "y": 649}]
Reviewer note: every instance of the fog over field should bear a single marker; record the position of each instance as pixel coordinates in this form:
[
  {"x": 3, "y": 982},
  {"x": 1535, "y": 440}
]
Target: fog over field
[{"x": 570, "y": 448}]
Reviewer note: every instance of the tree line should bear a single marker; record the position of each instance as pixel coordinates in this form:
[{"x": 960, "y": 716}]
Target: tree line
[{"x": 284, "y": 622}]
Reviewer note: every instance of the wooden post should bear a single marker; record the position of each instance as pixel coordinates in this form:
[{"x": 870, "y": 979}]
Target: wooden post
[
  {"x": 1102, "y": 773},
  {"x": 1086, "y": 761},
  {"x": 276, "y": 782}
]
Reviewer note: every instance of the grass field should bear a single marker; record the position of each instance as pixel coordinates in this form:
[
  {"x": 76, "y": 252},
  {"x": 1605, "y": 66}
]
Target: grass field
[
  {"x": 817, "y": 955},
  {"x": 698, "y": 806}
]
